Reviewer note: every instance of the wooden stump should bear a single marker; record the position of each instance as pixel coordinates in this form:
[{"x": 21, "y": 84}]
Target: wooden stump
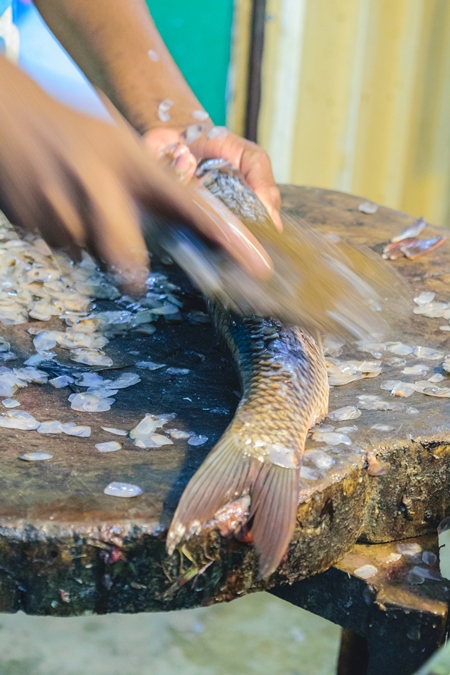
[{"x": 66, "y": 548}]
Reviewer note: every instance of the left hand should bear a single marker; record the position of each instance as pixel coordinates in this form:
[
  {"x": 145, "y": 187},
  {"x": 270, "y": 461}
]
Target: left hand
[{"x": 249, "y": 158}]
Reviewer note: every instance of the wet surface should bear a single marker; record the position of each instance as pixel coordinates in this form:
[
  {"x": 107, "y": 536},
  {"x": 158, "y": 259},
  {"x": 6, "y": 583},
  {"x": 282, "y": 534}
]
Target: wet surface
[{"x": 60, "y": 530}]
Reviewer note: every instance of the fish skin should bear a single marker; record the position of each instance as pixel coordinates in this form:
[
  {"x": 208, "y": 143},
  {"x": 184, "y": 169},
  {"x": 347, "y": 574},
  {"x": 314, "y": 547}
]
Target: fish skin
[{"x": 285, "y": 392}]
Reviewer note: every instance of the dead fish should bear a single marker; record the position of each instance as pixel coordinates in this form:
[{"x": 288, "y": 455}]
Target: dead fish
[
  {"x": 320, "y": 284},
  {"x": 285, "y": 393},
  {"x": 282, "y": 368}
]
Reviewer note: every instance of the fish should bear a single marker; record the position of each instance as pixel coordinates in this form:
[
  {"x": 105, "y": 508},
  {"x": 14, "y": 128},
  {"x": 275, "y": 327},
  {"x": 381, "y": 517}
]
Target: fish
[
  {"x": 317, "y": 282},
  {"x": 284, "y": 393},
  {"x": 258, "y": 458},
  {"x": 280, "y": 361}
]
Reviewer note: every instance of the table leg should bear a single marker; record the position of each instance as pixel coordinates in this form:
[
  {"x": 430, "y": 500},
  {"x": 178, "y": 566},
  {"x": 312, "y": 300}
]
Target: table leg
[{"x": 353, "y": 654}]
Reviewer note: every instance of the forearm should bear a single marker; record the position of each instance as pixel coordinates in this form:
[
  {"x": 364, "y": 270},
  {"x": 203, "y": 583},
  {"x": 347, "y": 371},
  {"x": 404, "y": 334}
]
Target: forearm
[{"x": 117, "y": 46}]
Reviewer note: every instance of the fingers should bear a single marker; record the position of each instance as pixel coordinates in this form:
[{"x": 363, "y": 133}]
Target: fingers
[
  {"x": 257, "y": 171},
  {"x": 180, "y": 161},
  {"x": 251, "y": 160},
  {"x": 60, "y": 223},
  {"x": 157, "y": 140},
  {"x": 114, "y": 234},
  {"x": 199, "y": 209}
]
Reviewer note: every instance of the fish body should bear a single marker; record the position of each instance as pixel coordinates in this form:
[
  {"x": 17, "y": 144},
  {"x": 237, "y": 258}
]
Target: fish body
[
  {"x": 318, "y": 282},
  {"x": 284, "y": 393}
]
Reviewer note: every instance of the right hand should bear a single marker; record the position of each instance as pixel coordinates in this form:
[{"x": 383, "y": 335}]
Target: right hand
[{"x": 79, "y": 180}]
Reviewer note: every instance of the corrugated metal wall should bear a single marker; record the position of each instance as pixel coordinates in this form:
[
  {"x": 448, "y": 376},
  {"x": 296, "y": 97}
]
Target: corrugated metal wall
[{"x": 356, "y": 97}]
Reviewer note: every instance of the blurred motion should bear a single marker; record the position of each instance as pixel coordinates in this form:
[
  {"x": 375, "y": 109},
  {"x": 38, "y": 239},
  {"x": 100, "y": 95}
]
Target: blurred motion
[
  {"x": 79, "y": 180},
  {"x": 319, "y": 284}
]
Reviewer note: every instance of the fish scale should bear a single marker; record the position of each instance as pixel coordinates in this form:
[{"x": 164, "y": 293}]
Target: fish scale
[{"x": 285, "y": 392}]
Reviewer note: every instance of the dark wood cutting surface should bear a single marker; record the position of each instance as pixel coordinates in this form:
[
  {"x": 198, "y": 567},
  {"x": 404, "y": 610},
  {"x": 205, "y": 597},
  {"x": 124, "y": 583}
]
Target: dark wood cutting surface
[{"x": 66, "y": 548}]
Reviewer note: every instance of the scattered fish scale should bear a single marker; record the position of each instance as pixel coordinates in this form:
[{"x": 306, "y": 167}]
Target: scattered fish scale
[
  {"x": 30, "y": 374},
  {"x": 349, "y": 412},
  {"x": 72, "y": 429},
  {"x": 331, "y": 438},
  {"x": 197, "y": 440},
  {"x": 320, "y": 458},
  {"x": 18, "y": 419},
  {"x": 177, "y": 371},
  {"x": 179, "y": 434},
  {"x": 90, "y": 380},
  {"x": 347, "y": 430},
  {"x": 344, "y": 372},
  {"x": 61, "y": 381},
  {"x": 437, "y": 377},
  {"x": 109, "y": 446},
  {"x": 433, "y": 310},
  {"x": 309, "y": 474},
  {"x": 90, "y": 403},
  {"x": 369, "y": 402},
  {"x": 10, "y": 403},
  {"x": 333, "y": 346},
  {"x": 399, "y": 348},
  {"x": 429, "y": 558},
  {"x": 428, "y": 353},
  {"x": 368, "y": 207},
  {"x": 403, "y": 389},
  {"x": 35, "y": 456},
  {"x": 123, "y": 490},
  {"x": 126, "y": 380},
  {"x": 410, "y": 549},
  {"x": 376, "y": 349},
  {"x": 418, "y": 369},
  {"x": 150, "y": 365},
  {"x": 424, "y": 298},
  {"x": 413, "y": 231},
  {"x": 116, "y": 432},
  {"x": 50, "y": 427},
  {"x": 91, "y": 357},
  {"x": 142, "y": 434},
  {"x": 366, "y": 571}
]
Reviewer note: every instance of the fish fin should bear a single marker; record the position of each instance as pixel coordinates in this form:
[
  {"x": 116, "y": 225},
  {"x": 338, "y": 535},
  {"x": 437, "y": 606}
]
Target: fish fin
[
  {"x": 227, "y": 474},
  {"x": 274, "y": 506}
]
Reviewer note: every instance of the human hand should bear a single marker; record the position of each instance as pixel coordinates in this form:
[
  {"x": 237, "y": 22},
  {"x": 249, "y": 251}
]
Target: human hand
[
  {"x": 79, "y": 180},
  {"x": 217, "y": 142}
]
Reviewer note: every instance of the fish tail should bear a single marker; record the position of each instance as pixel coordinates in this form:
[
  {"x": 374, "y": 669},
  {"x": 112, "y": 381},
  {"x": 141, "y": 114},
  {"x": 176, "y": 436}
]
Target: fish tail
[{"x": 227, "y": 474}]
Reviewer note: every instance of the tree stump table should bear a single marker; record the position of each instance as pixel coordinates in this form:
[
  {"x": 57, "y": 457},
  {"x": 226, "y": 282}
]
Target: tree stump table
[{"x": 66, "y": 548}]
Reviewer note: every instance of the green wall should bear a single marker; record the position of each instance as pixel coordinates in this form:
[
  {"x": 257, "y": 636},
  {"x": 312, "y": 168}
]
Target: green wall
[{"x": 198, "y": 35}]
